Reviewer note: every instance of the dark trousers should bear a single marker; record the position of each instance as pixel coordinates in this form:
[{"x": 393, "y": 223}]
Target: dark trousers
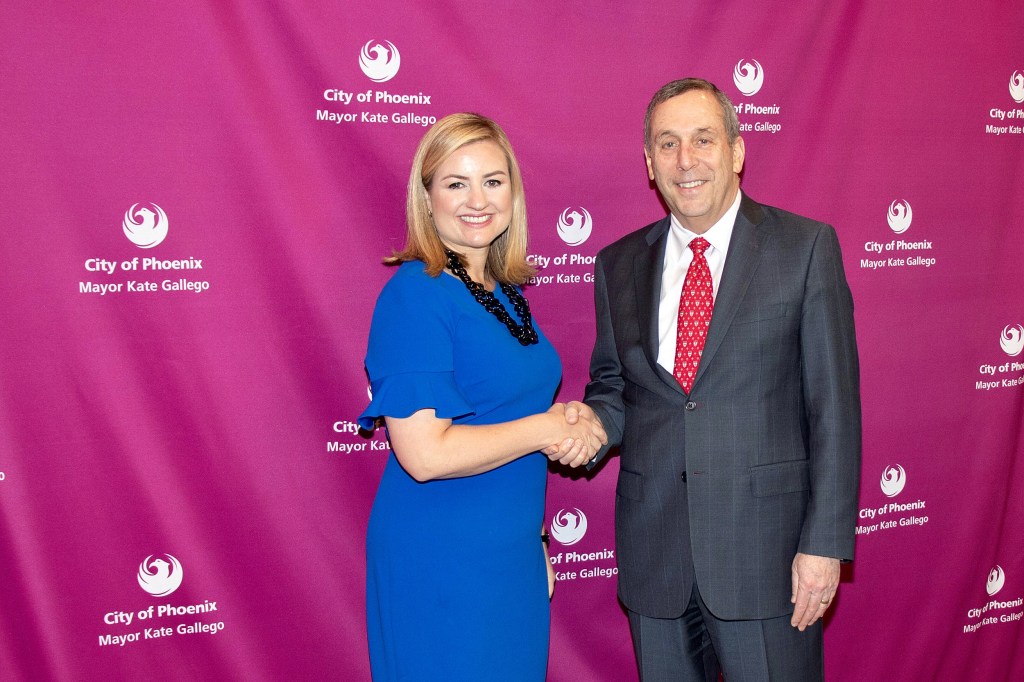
[{"x": 697, "y": 646}]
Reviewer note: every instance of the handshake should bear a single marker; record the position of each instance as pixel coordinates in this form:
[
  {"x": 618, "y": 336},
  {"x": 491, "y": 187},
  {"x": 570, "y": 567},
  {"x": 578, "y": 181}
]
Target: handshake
[{"x": 582, "y": 435}]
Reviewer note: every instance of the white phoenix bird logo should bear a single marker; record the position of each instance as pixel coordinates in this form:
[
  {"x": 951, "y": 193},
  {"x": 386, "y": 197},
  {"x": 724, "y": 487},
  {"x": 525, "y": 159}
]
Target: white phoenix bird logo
[
  {"x": 573, "y": 227},
  {"x": 159, "y": 577},
  {"x": 1012, "y": 340},
  {"x": 996, "y": 579},
  {"x": 379, "y": 63},
  {"x": 569, "y": 528},
  {"x": 748, "y": 77},
  {"x": 893, "y": 480},
  {"x": 1017, "y": 87},
  {"x": 900, "y": 216},
  {"x": 149, "y": 230}
]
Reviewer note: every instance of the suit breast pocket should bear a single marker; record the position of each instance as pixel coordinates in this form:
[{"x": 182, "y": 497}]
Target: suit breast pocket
[
  {"x": 760, "y": 313},
  {"x": 780, "y": 478}
]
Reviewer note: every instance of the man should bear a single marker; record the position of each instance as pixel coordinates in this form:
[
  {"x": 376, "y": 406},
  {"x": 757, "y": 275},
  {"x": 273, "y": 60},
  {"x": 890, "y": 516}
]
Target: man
[{"x": 726, "y": 370}]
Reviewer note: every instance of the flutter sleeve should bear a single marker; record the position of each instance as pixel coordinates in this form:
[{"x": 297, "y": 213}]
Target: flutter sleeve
[{"x": 410, "y": 354}]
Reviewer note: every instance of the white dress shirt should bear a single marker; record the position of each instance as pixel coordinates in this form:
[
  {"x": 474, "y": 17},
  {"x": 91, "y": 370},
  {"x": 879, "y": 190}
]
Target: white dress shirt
[{"x": 678, "y": 257}]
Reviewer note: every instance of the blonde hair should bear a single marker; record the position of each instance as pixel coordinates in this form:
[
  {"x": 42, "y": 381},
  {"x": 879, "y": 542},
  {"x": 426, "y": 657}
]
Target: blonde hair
[{"x": 506, "y": 258}]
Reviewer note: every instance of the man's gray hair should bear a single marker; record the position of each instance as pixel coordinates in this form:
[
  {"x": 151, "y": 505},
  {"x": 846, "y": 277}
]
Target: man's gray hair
[{"x": 678, "y": 87}]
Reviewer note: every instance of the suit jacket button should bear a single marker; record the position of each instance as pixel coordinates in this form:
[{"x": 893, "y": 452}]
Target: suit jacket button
[
  {"x": 690, "y": 406},
  {"x": 683, "y": 477}
]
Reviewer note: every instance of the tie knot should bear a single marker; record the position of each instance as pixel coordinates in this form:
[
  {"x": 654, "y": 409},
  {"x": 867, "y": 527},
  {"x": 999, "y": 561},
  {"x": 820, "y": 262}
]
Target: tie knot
[{"x": 699, "y": 245}]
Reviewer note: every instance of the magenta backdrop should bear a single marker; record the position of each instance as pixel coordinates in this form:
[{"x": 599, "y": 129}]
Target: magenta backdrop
[{"x": 178, "y": 387}]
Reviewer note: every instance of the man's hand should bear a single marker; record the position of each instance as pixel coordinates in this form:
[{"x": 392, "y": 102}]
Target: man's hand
[
  {"x": 815, "y": 581},
  {"x": 589, "y": 435}
]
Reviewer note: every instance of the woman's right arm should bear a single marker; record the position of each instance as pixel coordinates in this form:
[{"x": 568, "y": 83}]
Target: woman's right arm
[{"x": 431, "y": 448}]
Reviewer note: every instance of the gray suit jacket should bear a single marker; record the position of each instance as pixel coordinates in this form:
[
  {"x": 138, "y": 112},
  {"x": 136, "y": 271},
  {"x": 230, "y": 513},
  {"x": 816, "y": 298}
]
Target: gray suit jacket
[{"x": 762, "y": 459}]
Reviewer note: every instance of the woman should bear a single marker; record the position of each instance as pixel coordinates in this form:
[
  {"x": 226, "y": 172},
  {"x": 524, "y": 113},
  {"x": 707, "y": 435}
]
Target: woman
[{"x": 456, "y": 570}]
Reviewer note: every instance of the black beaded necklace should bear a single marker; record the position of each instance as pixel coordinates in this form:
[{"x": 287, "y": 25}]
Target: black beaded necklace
[{"x": 524, "y": 333}]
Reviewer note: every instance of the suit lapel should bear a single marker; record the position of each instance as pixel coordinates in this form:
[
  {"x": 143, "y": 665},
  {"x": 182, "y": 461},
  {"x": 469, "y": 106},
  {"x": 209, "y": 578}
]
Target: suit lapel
[
  {"x": 647, "y": 268},
  {"x": 745, "y": 248}
]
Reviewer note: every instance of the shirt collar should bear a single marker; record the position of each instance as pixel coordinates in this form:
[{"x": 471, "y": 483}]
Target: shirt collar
[{"x": 720, "y": 233}]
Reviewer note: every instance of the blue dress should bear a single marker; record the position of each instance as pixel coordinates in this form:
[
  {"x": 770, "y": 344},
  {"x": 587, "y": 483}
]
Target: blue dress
[{"x": 456, "y": 585}]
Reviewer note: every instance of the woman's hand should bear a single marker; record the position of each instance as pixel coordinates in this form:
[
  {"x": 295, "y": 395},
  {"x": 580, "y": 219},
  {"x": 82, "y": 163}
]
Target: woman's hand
[
  {"x": 584, "y": 435},
  {"x": 429, "y": 447}
]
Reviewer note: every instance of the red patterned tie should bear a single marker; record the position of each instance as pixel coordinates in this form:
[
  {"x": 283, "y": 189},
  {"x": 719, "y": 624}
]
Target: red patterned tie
[{"x": 695, "y": 306}]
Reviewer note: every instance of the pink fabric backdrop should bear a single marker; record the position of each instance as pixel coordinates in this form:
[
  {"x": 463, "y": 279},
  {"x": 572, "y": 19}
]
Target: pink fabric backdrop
[{"x": 179, "y": 416}]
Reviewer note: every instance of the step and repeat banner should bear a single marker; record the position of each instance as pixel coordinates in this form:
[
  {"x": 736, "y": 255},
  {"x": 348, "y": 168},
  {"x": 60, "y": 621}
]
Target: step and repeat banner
[{"x": 194, "y": 202}]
